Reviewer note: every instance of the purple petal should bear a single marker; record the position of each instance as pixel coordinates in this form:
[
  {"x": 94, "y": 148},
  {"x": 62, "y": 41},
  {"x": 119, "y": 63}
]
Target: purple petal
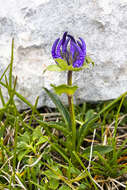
[
  {"x": 58, "y": 50},
  {"x": 79, "y": 50},
  {"x": 79, "y": 43},
  {"x": 64, "y": 47},
  {"x": 64, "y": 38},
  {"x": 54, "y": 48},
  {"x": 72, "y": 38},
  {"x": 83, "y": 45},
  {"x": 72, "y": 49},
  {"x": 79, "y": 62},
  {"x": 80, "y": 58},
  {"x": 67, "y": 57}
]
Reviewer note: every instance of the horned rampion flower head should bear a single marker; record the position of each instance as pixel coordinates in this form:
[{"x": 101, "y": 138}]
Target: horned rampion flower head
[
  {"x": 70, "y": 50},
  {"x": 69, "y": 54}
]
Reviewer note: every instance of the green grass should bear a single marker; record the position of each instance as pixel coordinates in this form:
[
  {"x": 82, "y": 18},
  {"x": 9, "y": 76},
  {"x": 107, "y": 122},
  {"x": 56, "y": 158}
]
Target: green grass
[{"x": 36, "y": 146}]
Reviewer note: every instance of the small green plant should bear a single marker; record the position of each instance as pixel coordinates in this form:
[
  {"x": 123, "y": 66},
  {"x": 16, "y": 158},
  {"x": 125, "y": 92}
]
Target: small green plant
[{"x": 69, "y": 56}]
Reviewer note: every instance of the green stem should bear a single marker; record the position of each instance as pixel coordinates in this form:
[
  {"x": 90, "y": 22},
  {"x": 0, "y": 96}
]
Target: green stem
[
  {"x": 15, "y": 148},
  {"x": 71, "y": 110}
]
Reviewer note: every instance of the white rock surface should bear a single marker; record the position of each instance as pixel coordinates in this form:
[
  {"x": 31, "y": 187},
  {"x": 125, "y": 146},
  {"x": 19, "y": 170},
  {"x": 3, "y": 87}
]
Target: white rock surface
[{"x": 36, "y": 24}]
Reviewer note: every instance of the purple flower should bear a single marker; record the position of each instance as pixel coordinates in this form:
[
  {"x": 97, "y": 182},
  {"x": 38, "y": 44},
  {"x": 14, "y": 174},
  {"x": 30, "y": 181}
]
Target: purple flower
[{"x": 69, "y": 49}]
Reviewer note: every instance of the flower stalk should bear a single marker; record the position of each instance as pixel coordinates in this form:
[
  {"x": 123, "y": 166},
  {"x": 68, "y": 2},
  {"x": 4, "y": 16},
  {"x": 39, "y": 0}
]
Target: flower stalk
[{"x": 71, "y": 110}]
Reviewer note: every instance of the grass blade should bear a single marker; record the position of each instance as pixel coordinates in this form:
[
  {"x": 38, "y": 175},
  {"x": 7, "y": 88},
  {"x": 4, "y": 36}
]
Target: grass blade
[
  {"x": 85, "y": 128},
  {"x": 64, "y": 112},
  {"x": 19, "y": 96},
  {"x": 4, "y": 72},
  {"x": 11, "y": 64},
  {"x": 53, "y": 125},
  {"x": 1, "y": 97},
  {"x": 85, "y": 169}
]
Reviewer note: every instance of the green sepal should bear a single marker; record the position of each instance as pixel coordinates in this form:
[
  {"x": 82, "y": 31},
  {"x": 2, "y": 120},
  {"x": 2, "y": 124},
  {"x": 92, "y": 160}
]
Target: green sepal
[
  {"x": 64, "y": 88},
  {"x": 53, "y": 68},
  {"x": 65, "y": 67},
  {"x": 62, "y": 65},
  {"x": 88, "y": 60}
]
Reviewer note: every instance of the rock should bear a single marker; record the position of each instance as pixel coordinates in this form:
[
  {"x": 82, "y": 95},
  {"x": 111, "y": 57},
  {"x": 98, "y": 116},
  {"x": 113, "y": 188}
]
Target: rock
[{"x": 36, "y": 24}]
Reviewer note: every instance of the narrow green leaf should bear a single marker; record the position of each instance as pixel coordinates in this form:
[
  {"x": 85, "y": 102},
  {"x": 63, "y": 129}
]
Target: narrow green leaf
[
  {"x": 4, "y": 72},
  {"x": 53, "y": 68},
  {"x": 84, "y": 130},
  {"x": 53, "y": 125},
  {"x": 62, "y": 109},
  {"x": 39, "y": 186},
  {"x": 83, "y": 166},
  {"x": 11, "y": 64},
  {"x": 34, "y": 110},
  {"x": 104, "y": 161},
  {"x": 22, "y": 154},
  {"x": 19, "y": 96},
  {"x": 1, "y": 97},
  {"x": 98, "y": 148},
  {"x": 121, "y": 150},
  {"x": 64, "y": 88},
  {"x": 24, "y": 100},
  {"x": 42, "y": 140},
  {"x": 6, "y": 81},
  {"x": 12, "y": 91}
]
